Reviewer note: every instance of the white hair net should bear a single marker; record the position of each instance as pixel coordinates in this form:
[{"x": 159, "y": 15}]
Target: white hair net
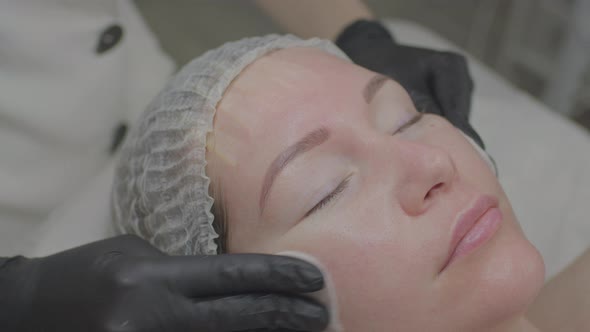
[{"x": 160, "y": 190}]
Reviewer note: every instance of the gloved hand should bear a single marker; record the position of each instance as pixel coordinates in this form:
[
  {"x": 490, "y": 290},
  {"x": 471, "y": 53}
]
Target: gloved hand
[
  {"x": 438, "y": 82},
  {"x": 125, "y": 284}
]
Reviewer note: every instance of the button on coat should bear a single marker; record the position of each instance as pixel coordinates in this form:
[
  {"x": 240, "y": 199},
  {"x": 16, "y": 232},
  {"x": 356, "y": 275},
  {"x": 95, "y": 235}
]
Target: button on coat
[
  {"x": 118, "y": 136},
  {"x": 62, "y": 103},
  {"x": 109, "y": 38}
]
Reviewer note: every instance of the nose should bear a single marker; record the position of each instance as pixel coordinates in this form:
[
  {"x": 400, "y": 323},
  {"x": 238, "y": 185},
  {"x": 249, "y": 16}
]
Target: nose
[{"x": 424, "y": 172}]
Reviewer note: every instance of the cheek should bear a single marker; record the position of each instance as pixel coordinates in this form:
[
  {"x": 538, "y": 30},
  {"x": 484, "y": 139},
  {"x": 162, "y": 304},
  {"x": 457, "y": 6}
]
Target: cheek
[
  {"x": 377, "y": 277},
  {"x": 496, "y": 283}
]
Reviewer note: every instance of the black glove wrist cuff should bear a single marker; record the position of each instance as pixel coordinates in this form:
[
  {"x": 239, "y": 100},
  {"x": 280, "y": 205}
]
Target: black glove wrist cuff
[
  {"x": 371, "y": 29},
  {"x": 3, "y": 261},
  {"x": 16, "y": 289}
]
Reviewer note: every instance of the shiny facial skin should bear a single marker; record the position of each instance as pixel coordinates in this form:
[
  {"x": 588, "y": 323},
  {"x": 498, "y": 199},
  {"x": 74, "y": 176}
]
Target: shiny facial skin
[{"x": 385, "y": 237}]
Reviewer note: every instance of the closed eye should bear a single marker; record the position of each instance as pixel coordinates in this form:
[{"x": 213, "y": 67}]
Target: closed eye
[
  {"x": 330, "y": 197},
  {"x": 344, "y": 184},
  {"x": 406, "y": 125}
]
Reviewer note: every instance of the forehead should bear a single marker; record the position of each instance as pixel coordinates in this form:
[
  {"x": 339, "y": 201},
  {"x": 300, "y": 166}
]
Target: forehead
[
  {"x": 281, "y": 95},
  {"x": 291, "y": 82},
  {"x": 274, "y": 102}
]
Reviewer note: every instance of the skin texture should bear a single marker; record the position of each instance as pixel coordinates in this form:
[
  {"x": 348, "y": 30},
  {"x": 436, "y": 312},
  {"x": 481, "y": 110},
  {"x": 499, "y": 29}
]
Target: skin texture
[{"x": 386, "y": 237}]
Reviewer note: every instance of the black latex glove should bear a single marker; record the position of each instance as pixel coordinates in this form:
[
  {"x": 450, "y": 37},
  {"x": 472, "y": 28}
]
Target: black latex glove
[
  {"x": 125, "y": 284},
  {"x": 438, "y": 82}
]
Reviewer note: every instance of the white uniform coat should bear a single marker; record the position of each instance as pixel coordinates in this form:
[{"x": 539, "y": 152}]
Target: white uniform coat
[{"x": 73, "y": 74}]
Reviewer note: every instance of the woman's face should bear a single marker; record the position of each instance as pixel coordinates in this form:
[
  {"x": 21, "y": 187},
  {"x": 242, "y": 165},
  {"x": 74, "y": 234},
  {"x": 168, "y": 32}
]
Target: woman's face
[{"x": 314, "y": 154}]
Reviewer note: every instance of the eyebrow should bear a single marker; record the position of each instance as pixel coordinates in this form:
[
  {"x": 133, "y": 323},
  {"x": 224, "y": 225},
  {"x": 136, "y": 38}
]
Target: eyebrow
[
  {"x": 374, "y": 84},
  {"x": 308, "y": 142}
]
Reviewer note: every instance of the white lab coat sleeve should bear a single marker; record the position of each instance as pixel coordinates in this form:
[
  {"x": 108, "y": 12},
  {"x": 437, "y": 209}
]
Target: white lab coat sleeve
[
  {"x": 82, "y": 219},
  {"x": 68, "y": 84}
]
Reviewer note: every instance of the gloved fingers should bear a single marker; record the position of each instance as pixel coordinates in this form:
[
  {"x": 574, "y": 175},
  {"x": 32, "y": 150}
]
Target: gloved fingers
[
  {"x": 202, "y": 276},
  {"x": 424, "y": 103},
  {"x": 169, "y": 312},
  {"x": 362, "y": 33},
  {"x": 259, "y": 312},
  {"x": 451, "y": 84},
  {"x": 127, "y": 245},
  {"x": 368, "y": 44}
]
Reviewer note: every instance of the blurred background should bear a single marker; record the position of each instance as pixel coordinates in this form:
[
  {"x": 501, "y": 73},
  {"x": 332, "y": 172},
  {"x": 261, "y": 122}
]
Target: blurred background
[{"x": 541, "y": 46}]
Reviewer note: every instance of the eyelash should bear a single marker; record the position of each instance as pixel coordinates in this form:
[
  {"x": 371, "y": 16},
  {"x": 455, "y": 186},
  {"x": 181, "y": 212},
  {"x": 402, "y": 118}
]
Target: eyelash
[
  {"x": 406, "y": 125},
  {"x": 328, "y": 199},
  {"x": 344, "y": 184}
]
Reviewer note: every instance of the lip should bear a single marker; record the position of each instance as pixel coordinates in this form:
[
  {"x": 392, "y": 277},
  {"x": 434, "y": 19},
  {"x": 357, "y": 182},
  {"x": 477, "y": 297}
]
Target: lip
[{"x": 474, "y": 227}]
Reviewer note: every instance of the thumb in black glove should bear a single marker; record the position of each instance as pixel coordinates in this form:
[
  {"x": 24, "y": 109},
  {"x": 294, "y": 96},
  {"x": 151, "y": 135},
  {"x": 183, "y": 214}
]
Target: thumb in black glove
[
  {"x": 125, "y": 284},
  {"x": 438, "y": 82}
]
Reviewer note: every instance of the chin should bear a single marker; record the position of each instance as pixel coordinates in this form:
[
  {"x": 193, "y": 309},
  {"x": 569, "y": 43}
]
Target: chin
[{"x": 497, "y": 281}]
